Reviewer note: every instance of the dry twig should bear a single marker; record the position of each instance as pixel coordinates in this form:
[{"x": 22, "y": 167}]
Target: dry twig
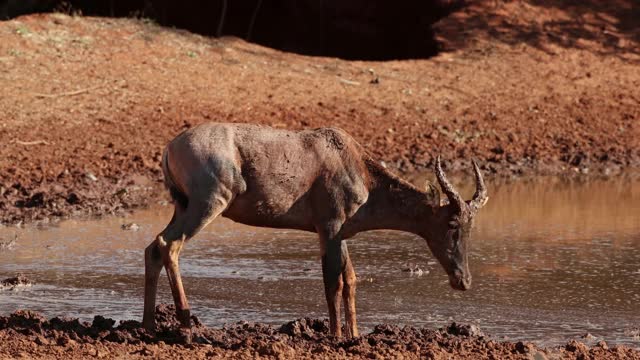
[
  {"x": 28, "y": 143},
  {"x": 67, "y": 93}
]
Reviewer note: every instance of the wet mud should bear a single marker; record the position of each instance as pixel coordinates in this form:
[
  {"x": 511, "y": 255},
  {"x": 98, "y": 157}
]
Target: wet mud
[{"x": 26, "y": 333}]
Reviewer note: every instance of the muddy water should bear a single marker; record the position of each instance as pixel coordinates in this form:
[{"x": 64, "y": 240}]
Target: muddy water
[{"x": 551, "y": 259}]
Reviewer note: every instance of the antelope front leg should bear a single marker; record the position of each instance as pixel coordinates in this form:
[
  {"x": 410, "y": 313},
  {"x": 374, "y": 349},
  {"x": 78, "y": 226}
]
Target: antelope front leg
[
  {"x": 349, "y": 294},
  {"x": 152, "y": 268},
  {"x": 332, "y": 276}
]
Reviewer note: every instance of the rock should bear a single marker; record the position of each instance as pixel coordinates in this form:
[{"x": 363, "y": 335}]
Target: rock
[
  {"x": 588, "y": 336},
  {"x": 117, "y": 336},
  {"x": 26, "y": 319},
  {"x": 414, "y": 269},
  {"x": 464, "y": 330},
  {"x": 305, "y": 327},
  {"x": 9, "y": 245},
  {"x": 102, "y": 323},
  {"x": 635, "y": 332},
  {"x": 147, "y": 351},
  {"x": 413, "y": 347},
  {"x": 576, "y": 346},
  {"x": 130, "y": 227},
  {"x": 277, "y": 349},
  {"x": 16, "y": 281},
  {"x": 63, "y": 340},
  {"x": 524, "y": 348},
  {"x": 41, "y": 341}
]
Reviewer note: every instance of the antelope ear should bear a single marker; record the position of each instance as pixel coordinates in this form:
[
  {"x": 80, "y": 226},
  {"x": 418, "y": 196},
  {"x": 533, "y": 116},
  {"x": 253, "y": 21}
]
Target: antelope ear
[{"x": 433, "y": 194}]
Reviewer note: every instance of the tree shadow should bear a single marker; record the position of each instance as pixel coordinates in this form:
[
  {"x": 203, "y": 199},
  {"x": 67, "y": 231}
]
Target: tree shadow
[
  {"x": 355, "y": 29},
  {"x": 609, "y": 28},
  {"x": 380, "y": 29}
]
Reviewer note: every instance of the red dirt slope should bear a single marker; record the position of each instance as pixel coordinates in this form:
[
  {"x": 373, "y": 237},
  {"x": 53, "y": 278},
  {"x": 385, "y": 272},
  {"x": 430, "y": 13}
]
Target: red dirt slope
[{"x": 527, "y": 87}]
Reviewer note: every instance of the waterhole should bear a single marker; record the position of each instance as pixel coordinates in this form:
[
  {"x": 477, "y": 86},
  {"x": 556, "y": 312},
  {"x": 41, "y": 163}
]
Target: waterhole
[{"x": 552, "y": 259}]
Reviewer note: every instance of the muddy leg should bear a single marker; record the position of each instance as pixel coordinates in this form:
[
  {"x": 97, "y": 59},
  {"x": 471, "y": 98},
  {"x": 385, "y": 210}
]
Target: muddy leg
[
  {"x": 197, "y": 216},
  {"x": 332, "y": 276},
  {"x": 349, "y": 294},
  {"x": 152, "y": 267},
  {"x": 170, "y": 257}
]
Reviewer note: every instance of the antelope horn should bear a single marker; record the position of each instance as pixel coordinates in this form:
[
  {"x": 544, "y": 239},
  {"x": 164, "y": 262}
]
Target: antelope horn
[
  {"x": 480, "y": 197},
  {"x": 452, "y": 194}
]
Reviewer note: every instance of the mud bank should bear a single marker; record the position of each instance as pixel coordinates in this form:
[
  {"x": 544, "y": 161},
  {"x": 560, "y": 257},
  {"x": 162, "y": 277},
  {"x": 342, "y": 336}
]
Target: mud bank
[
  {"x": 28, "y": 334},
  {"x": 88, "y": 103}
]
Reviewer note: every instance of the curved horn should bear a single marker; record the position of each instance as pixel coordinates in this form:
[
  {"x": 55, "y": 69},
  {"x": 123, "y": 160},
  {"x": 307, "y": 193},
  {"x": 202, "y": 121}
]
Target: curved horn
[
  {"x": 452, "y": 194},
  {"x": 480, "y": 197}
]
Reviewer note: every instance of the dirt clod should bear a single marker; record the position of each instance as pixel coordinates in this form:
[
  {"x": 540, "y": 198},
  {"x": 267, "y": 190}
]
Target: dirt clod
[
  {"x": 15, "y": 282},
  {"x": 464, "y": 330},
  {"x": 302, "y": 338}
]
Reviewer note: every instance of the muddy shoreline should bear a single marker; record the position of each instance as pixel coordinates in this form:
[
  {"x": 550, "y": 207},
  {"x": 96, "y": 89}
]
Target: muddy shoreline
[
  {"x": 572, "y": 320},
  {"x": 28, "y": 334}
]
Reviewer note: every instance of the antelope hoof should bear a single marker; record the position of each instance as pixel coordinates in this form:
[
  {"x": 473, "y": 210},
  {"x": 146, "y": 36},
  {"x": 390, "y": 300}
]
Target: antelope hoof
[
  {"x": 185, "y": 336},
  {"x": 150, "y": 326}
]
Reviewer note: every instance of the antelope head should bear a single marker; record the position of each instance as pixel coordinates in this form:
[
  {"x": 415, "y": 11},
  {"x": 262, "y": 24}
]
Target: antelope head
[{"x": 448, "y": 237}]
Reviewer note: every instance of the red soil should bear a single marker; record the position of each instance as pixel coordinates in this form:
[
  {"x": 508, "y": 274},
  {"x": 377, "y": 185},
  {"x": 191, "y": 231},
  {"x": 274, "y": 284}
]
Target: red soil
[{"x": 526, "y": 87}]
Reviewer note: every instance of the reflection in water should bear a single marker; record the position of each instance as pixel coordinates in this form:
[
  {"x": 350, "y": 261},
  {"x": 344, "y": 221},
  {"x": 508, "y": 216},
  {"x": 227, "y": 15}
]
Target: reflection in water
[{"x": 551, "y": 259}]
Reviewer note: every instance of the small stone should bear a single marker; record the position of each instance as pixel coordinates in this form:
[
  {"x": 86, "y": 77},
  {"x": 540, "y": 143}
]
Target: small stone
[
  {"x": 8, "y": 245},
  {"x": 277, "y": 349},
  {"x": 16, "y": 281},
  {"x": 130, "y": 227},
  {"x": 575, "y": 346},
  {"x": 540, "y": 356},
  {"x": 524, "y": 348},
  {"x": 464, "y": 330},
  {"x": 102, "y": 323},
  {"x": 41, "y": 341},
  {"x": 147, "y": 351},
  {"x": 63, "y": 340}
]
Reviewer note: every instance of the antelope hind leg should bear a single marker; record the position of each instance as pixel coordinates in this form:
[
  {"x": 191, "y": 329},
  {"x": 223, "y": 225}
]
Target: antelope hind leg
[{"x": 349, "y": 294}]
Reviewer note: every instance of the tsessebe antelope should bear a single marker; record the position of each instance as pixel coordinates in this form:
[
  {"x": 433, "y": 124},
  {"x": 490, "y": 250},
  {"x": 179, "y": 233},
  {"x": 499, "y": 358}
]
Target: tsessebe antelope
[{"x": 319, "y": 180}]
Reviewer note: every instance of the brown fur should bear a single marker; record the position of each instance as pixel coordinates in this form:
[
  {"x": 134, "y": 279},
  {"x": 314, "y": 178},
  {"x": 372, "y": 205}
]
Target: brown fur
[{"x": 318, "y": 180}]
